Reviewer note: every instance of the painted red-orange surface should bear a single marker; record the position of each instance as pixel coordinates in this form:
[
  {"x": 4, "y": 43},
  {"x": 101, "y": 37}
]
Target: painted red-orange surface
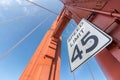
[
  {"x": 105, "y": 14},
  {"x": 45, "y": 63}
]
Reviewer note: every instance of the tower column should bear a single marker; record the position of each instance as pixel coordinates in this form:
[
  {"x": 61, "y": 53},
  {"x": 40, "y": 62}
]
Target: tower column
[{"x": 45, "y": 63}]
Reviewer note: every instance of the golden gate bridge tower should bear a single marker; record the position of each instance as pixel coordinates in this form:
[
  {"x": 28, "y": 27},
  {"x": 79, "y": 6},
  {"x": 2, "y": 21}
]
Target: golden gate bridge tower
[{"x": 105, "y": 14}]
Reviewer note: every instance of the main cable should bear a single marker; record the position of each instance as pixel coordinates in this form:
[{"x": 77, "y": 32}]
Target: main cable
[
  {"x": 42, "y": 7},
  {"x": 21, "y": 40}
]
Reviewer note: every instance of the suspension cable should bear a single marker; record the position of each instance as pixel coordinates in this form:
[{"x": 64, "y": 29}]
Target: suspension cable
[
  {"x": 42, "y": 7},
  {"x": 74, "y": 76},
  {"x": 21, "y": 40},
  {"x": 17, "y": 18},
  {"x": 87, "y": 63},
  {"x": 90, "y": 71},
  {"x": 19, "y": 6}
]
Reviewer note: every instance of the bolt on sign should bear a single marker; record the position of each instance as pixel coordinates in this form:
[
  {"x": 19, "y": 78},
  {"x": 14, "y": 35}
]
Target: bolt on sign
[{"x": 86, "y": 41}]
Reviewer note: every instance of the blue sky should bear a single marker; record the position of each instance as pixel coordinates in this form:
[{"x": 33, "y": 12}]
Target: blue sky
[{"x": 17, "y": 19}]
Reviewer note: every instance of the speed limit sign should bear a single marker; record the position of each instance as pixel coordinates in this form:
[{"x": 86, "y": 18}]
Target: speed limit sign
[{"x": 86, "y": 41}]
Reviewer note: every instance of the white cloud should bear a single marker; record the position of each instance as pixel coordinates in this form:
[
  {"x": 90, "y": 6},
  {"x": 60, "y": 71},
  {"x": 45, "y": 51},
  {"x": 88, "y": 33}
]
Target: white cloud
[
  {"x": 30, "y": 0},
  {"x": 25, "y": 9},
  {"x": 5, "y": 2},
  {"x": 1, "y": 16},
  {"x": 19, "y": 2},
  {"x": 8, "y": 4}
]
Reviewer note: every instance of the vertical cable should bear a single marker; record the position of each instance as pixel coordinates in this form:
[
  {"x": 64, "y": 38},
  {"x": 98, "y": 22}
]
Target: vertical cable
[
  {"x": 87, "y": 63},
  {"x": 73, "y": 76},
  {"x": 90, "y": 71}
]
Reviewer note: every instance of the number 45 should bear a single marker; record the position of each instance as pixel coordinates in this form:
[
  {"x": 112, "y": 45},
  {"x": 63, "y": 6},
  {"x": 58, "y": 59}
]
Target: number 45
[{"x": 84, "y": 41}]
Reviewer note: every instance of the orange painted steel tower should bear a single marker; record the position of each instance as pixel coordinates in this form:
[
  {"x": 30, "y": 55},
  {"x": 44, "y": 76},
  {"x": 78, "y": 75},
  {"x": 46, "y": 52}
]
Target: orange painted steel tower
[{"x": 45, "y": 63}]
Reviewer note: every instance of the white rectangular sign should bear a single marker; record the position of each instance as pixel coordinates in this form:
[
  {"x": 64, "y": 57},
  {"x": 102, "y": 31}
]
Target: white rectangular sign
[{"x": 85, "y": 41}]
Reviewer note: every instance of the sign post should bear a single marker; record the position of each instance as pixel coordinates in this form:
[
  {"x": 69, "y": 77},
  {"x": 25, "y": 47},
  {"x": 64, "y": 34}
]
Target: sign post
[{"x": 86, "y": 41}]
